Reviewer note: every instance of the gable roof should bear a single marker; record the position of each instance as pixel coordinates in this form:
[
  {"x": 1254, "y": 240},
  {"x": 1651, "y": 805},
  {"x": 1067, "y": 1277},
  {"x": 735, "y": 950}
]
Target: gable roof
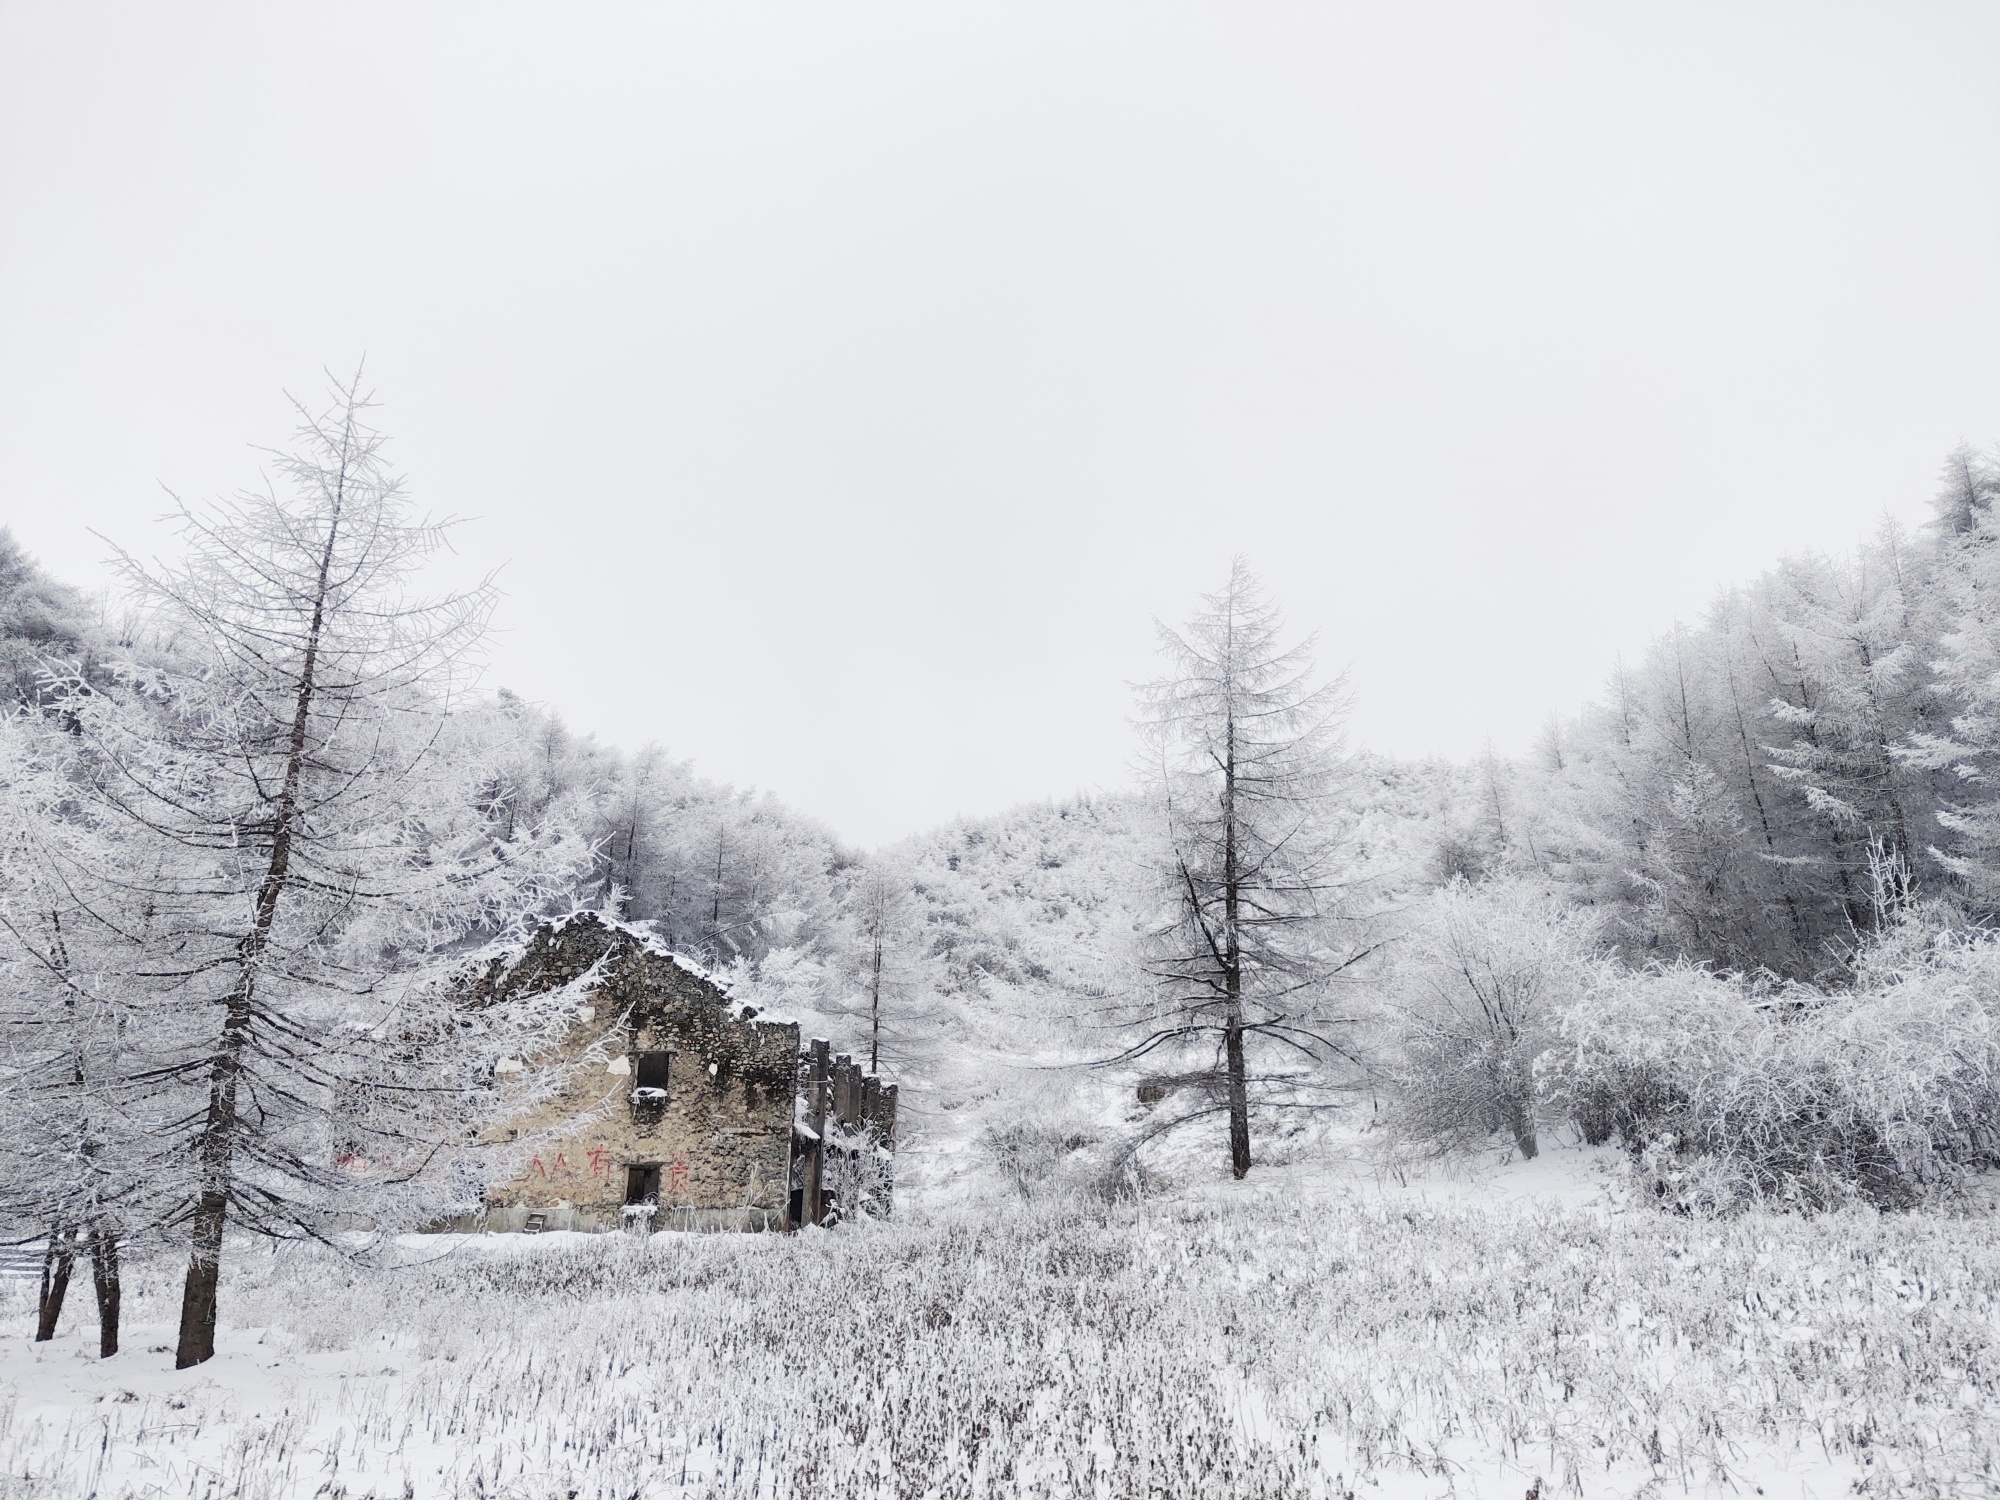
[{"x": 598, "y": 952}]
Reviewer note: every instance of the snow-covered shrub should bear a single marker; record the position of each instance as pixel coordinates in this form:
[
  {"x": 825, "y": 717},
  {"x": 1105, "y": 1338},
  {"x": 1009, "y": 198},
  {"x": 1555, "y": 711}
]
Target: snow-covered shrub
[
  {"x": 1048, "y": 1144},
  {"x": 1035, "y": 1156},
  {"x": 1729, "y": 1092},
  {"x": 1475, "y": 998},
  {"x": 1033, "y": 1153},
  {"x": 859, "y": 1174},
  {"x": 1640, "y": 1045}
]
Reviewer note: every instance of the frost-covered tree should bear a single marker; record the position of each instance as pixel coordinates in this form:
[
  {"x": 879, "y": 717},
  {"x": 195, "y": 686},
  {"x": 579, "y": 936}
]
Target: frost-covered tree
[
  {"x": 724, "y": 874},
  {"x": 1967, "y": 487},
  {"x": 1730, "y": 798},
  {"x": 1964, "y": 753},
  {"x": 41, "y": 621},
  {"x": 1858, "y": 643},
  {"x": 1477, "y": 993},
  {"x": 76, "y": 1129},
  {"x": 863, "y": 978},
  {"x": 305, "y": 820},
  {"x": 1256, "y": 918},
  {"x": 884, "y": 952},
  {"x": 539, "y": 771},
  {"x": 638, "y": 816}
]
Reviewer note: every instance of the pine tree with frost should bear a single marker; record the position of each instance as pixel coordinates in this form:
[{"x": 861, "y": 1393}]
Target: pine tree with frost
[
  {"x": 1257, "y": 893},
  {"x": 310, "y": 826}
]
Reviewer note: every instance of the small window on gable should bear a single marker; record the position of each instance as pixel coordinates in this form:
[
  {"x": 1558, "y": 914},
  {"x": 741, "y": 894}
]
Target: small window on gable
[{"x": 651, "y": 1072}]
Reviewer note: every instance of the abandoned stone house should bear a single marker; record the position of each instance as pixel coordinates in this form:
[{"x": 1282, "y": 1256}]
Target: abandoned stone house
[{"x": 678, "y": 1108}]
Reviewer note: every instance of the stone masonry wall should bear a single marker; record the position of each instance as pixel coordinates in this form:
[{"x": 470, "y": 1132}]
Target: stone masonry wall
[{"x": 721, "y": 1141}]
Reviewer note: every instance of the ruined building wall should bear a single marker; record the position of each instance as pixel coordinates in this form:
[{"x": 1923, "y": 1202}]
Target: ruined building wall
[
  {"x": 843, "y": 1157},
  {"x": 718, "y": 1145}
]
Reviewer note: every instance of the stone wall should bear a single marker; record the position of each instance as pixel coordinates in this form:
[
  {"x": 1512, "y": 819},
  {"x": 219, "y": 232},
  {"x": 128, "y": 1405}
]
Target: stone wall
[{"x": 718, "y": 1144}]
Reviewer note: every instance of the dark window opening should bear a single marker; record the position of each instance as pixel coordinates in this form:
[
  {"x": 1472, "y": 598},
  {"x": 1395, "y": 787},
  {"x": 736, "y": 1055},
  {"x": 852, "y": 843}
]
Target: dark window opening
[
  {"x": 652, "y": 1071},
  {"x": 642, "y": 1184}
]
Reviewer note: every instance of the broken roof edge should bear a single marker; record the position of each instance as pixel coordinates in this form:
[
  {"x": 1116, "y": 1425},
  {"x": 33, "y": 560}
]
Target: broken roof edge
[
  {"x": 512, "y": 949},
  {"x": 641, "y": 933}
]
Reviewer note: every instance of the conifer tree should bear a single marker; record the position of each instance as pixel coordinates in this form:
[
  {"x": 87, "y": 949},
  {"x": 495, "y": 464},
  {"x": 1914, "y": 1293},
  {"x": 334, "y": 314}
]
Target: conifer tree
[
  {"x": 1963, "y": 753},
  {"x": 1256, "y": 916},
  {"x": 882, "y": 909},
  {"x": 307, "y": 823},
  {"x": 76, "y": 1129}
]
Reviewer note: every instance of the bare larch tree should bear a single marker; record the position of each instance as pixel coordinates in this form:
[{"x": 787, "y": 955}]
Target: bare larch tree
[
  {"x": 1256, "y": 918},
  {"x": 309, "y": 816}
]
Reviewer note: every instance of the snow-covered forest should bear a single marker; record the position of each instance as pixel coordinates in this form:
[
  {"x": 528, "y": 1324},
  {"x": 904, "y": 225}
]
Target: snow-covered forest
[{"x": 1293, "y": 1119}]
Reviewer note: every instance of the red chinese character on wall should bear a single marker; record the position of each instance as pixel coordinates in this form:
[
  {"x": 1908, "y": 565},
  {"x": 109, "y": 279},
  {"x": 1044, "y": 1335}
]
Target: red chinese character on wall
[
  {"x": 677, "y": 1175},
  {"x": 600, "y": 1161}
]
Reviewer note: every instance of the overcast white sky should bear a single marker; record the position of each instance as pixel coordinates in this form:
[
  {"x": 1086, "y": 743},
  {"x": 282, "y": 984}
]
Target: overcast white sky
[{"x": 846, "y": 387}]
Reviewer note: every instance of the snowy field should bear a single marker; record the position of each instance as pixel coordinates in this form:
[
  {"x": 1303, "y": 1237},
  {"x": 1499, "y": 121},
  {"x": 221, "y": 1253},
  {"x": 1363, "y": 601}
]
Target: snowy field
[{"x": 1302, "y": 1336}]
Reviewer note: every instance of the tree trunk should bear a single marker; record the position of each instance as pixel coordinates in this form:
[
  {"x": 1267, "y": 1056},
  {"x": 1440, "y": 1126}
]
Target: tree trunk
[
  {"x": 218, "y": 1136},
  {"x": 204, "y": 1273},
  {"x": 56, "y": 1262},
  {"x": 1239, "y": 1096},
  {"x": 104, "y": 1272},
  {"x": 1522, "y": 1124},
  {"x": 715, "y": 890},
  {"x": 1232, "y": 975},
  {"x": 1763, "y": 818},
  {"x": 875, "y": 1009}
]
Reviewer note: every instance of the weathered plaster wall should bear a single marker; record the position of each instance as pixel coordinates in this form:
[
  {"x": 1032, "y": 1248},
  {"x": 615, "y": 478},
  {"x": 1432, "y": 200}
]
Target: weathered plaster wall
[{"x": 722, "y": 1139}]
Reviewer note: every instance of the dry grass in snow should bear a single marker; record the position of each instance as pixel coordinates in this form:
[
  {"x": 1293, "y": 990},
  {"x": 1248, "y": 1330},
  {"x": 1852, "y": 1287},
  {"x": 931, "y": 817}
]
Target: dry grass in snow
[{"x": 1243, "y": 1346}]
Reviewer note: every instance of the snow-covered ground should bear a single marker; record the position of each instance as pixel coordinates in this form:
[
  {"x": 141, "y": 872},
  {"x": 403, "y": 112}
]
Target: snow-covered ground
[{"x": 1320, "y": 1330}]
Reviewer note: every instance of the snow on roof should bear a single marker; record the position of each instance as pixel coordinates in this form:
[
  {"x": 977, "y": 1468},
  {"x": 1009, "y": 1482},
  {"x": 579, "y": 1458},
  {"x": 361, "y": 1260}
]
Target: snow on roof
[
  {"x": 644, "y": 935},
  {"x": 641, "y": 933}
]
